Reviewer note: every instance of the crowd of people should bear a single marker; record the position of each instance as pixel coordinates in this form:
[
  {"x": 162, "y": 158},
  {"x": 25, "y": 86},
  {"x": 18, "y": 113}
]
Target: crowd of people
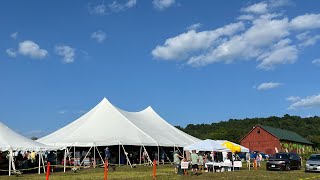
[{"x": 198, "y": 160}]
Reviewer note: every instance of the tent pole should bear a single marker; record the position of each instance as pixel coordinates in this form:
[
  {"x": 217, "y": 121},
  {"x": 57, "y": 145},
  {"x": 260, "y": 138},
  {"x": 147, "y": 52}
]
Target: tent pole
[
  {"x": 39, "y": 169},
  {"x": 149, "y": 160},
  {"x": 74, "y": 155},
  {"x": 100, "y": 155},
  {"x": 85, "y": 156},
  {"x": 158, "y": 155},
  {"x": 119, "y": 154},
  {"x": 128, "y": 160},
  {"x": 39, "y": 164},
  {"x": 10, "y": 161},
  {"x": 44, "y": 168},
  {"x": 64, "y": 160},
  {"x": 140, "y": 153},
  {"x": 94, "y": 156}
]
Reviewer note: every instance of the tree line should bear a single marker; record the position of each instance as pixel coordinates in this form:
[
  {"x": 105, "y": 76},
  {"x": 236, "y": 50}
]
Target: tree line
[{"x": 235, "y": 129}]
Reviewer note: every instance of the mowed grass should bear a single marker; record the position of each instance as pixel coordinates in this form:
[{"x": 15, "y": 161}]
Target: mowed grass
[{"x": 167, "y": 172}]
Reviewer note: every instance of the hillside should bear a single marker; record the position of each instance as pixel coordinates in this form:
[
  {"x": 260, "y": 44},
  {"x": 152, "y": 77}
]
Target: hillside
[{"x": 235, "y": 129}]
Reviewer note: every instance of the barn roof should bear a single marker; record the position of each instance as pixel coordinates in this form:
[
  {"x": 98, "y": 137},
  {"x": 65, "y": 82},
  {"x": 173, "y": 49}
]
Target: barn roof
[{"x": 285, "y": 134}]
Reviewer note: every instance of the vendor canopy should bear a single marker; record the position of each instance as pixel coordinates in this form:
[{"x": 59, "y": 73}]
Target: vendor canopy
[
  {"x": 10, "y": 140},
  {"x": 106, "y": 125},
  {"x": 212, "y": 145}
]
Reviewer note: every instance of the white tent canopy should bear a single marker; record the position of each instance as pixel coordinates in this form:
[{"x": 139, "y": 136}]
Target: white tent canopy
[
  {"x": 212, "y": 145},
  {"x": 106, "y": 125},
  {"x": 10, "y": 140}
]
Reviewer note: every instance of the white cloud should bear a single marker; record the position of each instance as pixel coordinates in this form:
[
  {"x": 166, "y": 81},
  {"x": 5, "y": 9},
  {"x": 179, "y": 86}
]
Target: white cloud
[
  {"x": 31, "y": 49},
  {"x": 246, "y": 17},
  {"x": 316, "y": 62},
  {"x": 305, "y": 22},
  {"x": 162, "y": 4},
  {"x": 308, "y": 102},
  {"x": 99, "y": 36},
  {"x": 194, "y": 26},
  {"x": 183, "y": 45},
  {"x": 293, "y": 98},
  {"x": 14, "y": 35},
  {"x": 258, "y": 8},
  {"x": 102, "y": 9},
  {"x": 251, "y": 44},
  {"x": 268, "y": 85},
  {"x": 265, "y": 38},
  {"x": 281, "y": 53},
  {"x": 307, "y": 40},
  {"x": 66, "y": 52},
  {"x": 11, "y": 52}
]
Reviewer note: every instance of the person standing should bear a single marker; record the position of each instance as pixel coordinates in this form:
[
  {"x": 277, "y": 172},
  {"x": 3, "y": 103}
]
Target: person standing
[
  {"x": 107, "y": 154},
  {"x": 194, "y": 161},
  {"x": 176, "y": 161},
  {"x": 258, "y": 158}
]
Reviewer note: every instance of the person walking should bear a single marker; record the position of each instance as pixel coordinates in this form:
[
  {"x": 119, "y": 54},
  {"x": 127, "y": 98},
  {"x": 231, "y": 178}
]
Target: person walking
[{"x": 176, "y": 161}]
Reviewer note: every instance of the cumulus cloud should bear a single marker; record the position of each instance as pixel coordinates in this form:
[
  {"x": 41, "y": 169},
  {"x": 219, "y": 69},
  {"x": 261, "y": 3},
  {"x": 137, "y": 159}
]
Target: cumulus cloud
[
  {"x": 266, "y": 38},
  {"x": 115, "y": 6},
  {"x": 307, "y": 40},
  {"x": 14, "y": 35},
  {"x": 268, "y": 85},
  {"x": 183, "y": 45},
  {"x": 67, "y": 52},
  {"x": 31, "y": 49},
  {"x": 308, "y": 102},
  {"x": 305, "y": 22},
  {"x": 281, "y": 53},
  {"x": 11, "y": 52},
  {"x": 99, "y": 36},
  {"x": 316, "y": 62},
  {"x": 162, "y": 4},
  {"x": 246, "y": 17},
  {"x": 194, "y": 26},
  {"x": 258, "y": 8},
  {"x": 293, "y": 98}
]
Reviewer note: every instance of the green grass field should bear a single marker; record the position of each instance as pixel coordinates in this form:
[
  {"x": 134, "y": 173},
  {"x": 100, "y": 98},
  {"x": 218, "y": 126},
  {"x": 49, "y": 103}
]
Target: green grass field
[{"x": 167, "y": 172}]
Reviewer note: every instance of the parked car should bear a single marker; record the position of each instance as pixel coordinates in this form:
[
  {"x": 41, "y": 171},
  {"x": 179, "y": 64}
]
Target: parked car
[
  {"x": 313, "y": 163},
  {"x": 284, "y": 162}
]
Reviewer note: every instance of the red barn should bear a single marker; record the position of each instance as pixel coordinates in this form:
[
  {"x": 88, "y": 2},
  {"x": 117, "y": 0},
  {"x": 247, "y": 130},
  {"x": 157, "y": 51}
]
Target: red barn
[{"x": 267, "y": 139}]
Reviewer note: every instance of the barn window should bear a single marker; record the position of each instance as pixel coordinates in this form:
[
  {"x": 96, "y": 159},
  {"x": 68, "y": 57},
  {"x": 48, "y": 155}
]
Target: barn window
[{"x": 258, "y": 131}]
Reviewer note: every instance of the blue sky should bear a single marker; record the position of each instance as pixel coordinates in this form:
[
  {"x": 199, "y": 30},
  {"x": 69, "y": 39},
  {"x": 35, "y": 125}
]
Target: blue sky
[{"x": 192, "y": 61}]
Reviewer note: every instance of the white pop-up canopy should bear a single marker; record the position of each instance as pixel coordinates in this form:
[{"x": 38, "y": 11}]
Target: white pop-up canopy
[
  {"x": 10, "y": 140},
  {"x": 106, "y": 125},
  {"x": 212, "y": 145}
]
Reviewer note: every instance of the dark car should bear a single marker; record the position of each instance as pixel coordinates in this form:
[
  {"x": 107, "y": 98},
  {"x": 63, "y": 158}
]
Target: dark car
[{"x": 284, "y": 162}]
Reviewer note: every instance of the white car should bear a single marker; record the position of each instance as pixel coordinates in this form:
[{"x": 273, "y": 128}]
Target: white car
[{"x": 313, "y": 163}]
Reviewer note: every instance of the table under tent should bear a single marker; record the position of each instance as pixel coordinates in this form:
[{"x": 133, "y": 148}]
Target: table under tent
[
  {"x": 107, "y": 125},
  {"x": 11, "y": 142},
  {"x": 220, "y": 146}
]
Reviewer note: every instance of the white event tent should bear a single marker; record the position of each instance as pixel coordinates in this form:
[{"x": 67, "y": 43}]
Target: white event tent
[
  {"x": 212, "y": 145},
  {"x": 12, "y": 141},
  {"x": 107, "y": 125}
]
